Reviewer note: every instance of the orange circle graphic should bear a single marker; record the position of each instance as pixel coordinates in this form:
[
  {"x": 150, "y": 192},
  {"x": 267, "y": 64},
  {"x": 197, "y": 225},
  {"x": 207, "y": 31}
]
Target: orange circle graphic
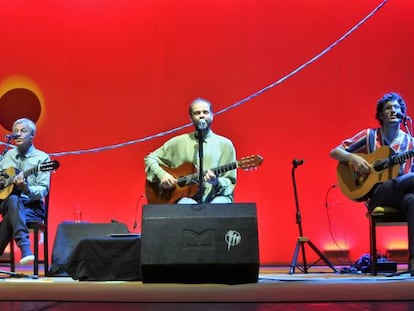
[{"x": 20, "y": 97}]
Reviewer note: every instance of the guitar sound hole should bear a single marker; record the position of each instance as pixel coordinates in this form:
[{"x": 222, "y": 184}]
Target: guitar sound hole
[
  {"x": 380, "y": 165},
  {"x": 181, "y": 183}
]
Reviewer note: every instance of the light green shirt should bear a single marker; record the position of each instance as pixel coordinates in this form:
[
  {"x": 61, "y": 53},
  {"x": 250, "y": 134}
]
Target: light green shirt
[
  {"x": 38, "y": 182},
  {"x": 217, "y": 150}
]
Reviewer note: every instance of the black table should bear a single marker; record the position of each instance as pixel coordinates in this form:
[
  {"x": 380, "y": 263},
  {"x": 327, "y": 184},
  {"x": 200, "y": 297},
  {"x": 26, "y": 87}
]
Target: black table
[
  {"x": 68, "y": 235},
  {"x": 106, "y": 259}
]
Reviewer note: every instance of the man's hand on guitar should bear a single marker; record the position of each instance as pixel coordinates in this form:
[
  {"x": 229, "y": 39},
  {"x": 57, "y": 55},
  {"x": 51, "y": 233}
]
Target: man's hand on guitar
[
  {"x": 211, "y": 178},
  {"x": 360, "y": 165},
  {"x": 20, "y": 182},
  {"x": 168, "y": 181}
]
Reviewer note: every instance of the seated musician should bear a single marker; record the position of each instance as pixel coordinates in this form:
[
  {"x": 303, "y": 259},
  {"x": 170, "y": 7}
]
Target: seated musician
[
  {"x": 22, "y": 201},
  {"x": 398, "y": 191},
  {"x": 164, "y": 165}
]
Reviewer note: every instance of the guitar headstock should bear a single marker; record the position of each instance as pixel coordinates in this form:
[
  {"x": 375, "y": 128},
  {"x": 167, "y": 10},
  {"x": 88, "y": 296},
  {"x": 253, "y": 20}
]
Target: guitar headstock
[
  {"x": 49, "y": 166},
  {"x": 250, "y": 162}
]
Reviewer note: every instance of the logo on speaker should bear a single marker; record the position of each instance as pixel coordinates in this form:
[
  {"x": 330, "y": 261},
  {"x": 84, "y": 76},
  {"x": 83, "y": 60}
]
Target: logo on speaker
[
  {"x": 192, "y": 238},
  {"x": 232, "y": 238}
]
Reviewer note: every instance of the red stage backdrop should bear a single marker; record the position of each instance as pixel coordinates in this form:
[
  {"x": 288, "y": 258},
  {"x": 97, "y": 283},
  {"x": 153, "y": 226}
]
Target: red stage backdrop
[{"x": 99, "y": 73}]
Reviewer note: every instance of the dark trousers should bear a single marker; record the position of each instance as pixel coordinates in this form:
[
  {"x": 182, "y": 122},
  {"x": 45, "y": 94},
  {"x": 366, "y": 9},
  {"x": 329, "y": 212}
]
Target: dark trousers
[
  {"x": 16, "y": 213},
  {"x": 398, "y": 193}
]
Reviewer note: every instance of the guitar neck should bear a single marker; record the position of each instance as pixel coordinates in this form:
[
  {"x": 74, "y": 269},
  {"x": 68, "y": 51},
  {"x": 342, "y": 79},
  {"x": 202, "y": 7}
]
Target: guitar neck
[
  {"x": 30, "y": 171},
  {"x": 224, "y": 168},
  {"x": 401, "y": 158},
  {"x": 217, "y": 171}
]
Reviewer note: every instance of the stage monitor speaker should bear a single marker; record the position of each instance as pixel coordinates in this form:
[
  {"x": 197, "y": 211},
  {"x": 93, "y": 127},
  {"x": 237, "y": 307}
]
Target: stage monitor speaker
[{"x": 199, "y": 243}]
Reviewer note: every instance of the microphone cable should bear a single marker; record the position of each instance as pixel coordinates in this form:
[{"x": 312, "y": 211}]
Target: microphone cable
[
  {"x": 135, "y": 225},
  {"x": 330, "y": 223}
]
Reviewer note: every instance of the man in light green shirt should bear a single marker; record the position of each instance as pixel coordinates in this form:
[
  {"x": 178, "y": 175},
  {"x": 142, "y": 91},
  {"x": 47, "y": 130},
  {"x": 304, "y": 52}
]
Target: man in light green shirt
[{"x": 218, "y": 152}]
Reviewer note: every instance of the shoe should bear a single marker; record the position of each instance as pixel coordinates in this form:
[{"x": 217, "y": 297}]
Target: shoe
[{"x": 27, "y": 259}]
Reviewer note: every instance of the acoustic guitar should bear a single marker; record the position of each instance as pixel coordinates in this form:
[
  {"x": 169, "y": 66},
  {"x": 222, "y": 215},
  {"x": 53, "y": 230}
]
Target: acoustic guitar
[
  {"x": 187, "y": 180},
  {"x": 385, "y": 165},
  {"x": 7, "y": 176}
]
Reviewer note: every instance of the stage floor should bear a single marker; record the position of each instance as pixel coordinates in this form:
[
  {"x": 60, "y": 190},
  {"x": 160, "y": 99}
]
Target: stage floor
[{"x": 319, "y": 289}]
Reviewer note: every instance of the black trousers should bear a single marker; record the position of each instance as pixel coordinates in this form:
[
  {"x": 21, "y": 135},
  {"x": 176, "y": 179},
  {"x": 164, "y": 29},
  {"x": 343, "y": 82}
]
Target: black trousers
[{"x": 16, "y": 212}]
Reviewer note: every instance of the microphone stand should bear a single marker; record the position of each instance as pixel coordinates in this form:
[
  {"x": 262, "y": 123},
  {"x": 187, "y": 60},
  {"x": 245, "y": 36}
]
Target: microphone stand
[
  {"x": 302, "y": 240},
  {"x": 199, "y": 196},
  {"x": 406, "y": 125}
]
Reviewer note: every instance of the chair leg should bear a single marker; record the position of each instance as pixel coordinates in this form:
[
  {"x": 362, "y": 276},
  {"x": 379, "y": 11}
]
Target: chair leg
[
  {"x": 46, "y": 251},
  {"x": 12, "y": 258},
  {"x": 373, "y": 246},
  {"x": 36, "y": 250}
]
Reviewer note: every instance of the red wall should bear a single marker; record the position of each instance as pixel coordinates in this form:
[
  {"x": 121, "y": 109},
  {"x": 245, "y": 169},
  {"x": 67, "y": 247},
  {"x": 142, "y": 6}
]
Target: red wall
[{"x": 109, "y": 72}]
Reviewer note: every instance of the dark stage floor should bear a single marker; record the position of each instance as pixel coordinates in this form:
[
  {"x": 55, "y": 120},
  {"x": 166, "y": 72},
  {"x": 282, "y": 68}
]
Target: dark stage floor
[{"x": 250, "y": 306}]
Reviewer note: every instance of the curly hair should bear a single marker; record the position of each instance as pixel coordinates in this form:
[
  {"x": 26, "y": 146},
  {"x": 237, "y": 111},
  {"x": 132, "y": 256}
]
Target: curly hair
[{"x": 387, "y": 98}]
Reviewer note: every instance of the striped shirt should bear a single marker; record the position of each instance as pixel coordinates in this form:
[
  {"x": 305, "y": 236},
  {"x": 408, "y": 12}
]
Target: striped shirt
[{"x": 368, "y": 140}]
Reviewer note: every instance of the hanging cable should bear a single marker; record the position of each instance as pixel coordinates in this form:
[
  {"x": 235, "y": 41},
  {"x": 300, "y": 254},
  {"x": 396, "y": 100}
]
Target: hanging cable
[{"x": 244, "y": 100}]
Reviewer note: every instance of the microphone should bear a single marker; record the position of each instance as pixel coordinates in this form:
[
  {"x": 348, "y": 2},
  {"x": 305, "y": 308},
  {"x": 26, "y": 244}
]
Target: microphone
[
  {"x": 401, "y": 116},
  {"x": 297, "y": 162},
  {"x": 12, "y": 136},
  {"x": 202, "y": 124}
]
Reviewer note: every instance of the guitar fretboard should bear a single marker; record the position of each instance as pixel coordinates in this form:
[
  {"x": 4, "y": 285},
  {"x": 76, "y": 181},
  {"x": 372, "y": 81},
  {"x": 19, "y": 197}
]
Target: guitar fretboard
[
  {"x": 30, "y": 171},
  {"x": 402, "y": 157},
  {"x": 225, "y": 168},
  {"x": 217, "y": 171}
]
